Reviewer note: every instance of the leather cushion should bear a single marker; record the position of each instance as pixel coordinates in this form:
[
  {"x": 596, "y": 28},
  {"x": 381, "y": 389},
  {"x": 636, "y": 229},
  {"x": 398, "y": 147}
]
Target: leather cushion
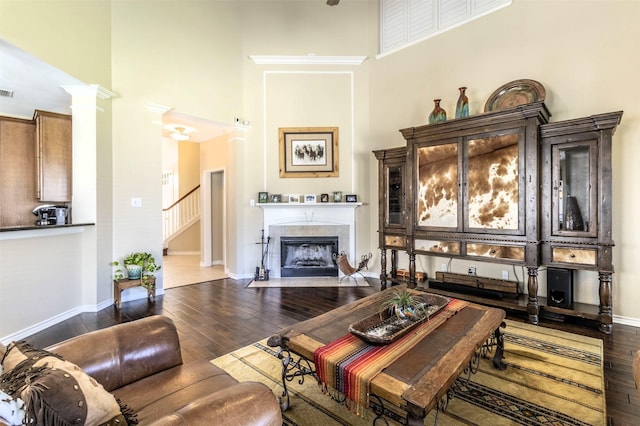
[
  {"x": 173, "y": 389},
  {"x": 56, "y": 391}
]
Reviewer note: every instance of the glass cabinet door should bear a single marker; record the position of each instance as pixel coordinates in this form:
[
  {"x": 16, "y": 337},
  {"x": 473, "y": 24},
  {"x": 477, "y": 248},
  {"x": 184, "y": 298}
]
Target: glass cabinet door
[
  {"x": 574, "y": 188},
  {"x": 395, "y": 183},
  {"x": 493, "y": 183},
  {"x": 438, "y": 186}
]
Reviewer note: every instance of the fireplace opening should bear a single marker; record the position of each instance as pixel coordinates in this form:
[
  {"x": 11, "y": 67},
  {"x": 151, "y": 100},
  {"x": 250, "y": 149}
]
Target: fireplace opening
[{"x": 308, "y": 256}]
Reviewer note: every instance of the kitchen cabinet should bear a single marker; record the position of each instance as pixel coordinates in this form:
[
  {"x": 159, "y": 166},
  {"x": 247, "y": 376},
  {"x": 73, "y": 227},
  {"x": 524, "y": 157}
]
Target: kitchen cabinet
[
  {"x": 53, "y": 156},
  {"x": 17, "y": 172},
  {"x": 501, "y": 187}
]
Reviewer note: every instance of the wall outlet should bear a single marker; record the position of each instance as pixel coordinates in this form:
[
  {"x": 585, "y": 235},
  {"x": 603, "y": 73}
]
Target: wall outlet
[
  {"x": 443, "y": 267},
  {"x": 471, "y": 270},
  {"x": 505, "y": 275}
]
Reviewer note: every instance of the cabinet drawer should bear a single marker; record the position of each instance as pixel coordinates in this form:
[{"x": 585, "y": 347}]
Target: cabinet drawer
[
  {"x": 395, "y": 241},
  {"x": 574, "y": 255},
  {"x": 496, "y": 251},
  {"x": 443, "y": 247}
]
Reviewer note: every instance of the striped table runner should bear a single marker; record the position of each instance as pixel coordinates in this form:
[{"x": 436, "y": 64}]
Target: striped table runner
[{"x": 347, "y": 365}]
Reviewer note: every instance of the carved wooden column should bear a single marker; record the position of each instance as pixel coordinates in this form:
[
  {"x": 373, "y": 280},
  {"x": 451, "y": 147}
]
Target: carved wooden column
[
  {"x": 412, "y": 269},
  {"x": 383, "y": 268},
  {"x": 533, "y": 308},
  {"x": 605, "y": 310}
]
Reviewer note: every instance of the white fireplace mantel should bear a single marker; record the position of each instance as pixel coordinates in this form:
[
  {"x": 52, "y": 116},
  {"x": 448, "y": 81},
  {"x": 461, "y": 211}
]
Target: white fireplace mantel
[{"x": 310, "y": 214}]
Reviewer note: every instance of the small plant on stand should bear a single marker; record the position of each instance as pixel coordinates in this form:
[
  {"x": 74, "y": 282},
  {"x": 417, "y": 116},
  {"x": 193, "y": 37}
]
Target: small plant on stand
[{"x": 138, "y": 265}]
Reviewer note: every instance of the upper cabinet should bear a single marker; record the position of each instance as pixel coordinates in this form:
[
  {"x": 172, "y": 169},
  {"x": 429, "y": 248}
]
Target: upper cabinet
[
  {"x": 392, "y": 169},
  {"x": 473, "y": 181},
  {"x": 17, "y": 172},
  {"x": 577, "y": 191},
  {"x": 53, "y": 151}
]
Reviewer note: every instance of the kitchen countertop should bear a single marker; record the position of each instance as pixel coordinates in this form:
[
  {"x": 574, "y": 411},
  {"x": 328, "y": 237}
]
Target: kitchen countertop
[
  {"x": 32, "y": 227},
  {"x": 33, "y": 231}
]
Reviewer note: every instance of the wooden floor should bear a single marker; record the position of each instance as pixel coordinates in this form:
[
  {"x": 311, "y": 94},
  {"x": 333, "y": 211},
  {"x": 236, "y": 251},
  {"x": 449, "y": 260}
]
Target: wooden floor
[{"x": 217, "y": 317}]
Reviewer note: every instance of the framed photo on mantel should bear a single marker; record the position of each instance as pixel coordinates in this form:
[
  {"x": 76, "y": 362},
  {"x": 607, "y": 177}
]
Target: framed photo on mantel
[{"x": 308, "y": 152}]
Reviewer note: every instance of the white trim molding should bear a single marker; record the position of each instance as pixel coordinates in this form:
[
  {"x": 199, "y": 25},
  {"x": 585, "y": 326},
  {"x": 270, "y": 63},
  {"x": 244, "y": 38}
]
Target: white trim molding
[{"x": 310, "y": 59}]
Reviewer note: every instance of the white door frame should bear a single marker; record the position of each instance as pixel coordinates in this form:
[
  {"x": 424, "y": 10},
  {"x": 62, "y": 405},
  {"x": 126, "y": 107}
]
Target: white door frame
[{"x": 206, "y": 216}]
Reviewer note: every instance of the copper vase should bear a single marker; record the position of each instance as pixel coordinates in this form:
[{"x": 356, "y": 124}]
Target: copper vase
[{"x": 438, "y": 115}]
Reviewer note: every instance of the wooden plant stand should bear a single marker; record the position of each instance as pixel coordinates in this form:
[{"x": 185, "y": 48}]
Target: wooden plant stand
[{"x": 125, "y": 283}]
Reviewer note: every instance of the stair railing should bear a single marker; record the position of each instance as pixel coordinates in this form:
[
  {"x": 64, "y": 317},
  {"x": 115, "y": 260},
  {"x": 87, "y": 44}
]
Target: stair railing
[{"x": 181, "y": 214}]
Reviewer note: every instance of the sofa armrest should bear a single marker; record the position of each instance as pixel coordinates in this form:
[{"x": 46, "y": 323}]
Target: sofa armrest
[
  {"x": 247, "y": 403},
  {"x": 123, "y": 353}
]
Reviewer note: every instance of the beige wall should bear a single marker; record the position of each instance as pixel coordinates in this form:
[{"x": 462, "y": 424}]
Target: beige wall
[
  {"x": 581, "y": 51},
  {"x": 219, "y": 223},
  {"x": 193, "y": 57},
  {"x": 304, "y": 96},
  {"x": 188, "y": 178}
]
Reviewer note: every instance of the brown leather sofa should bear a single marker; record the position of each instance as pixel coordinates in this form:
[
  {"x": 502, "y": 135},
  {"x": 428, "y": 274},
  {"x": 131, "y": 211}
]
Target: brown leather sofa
[{"x": 140, "y": 363}]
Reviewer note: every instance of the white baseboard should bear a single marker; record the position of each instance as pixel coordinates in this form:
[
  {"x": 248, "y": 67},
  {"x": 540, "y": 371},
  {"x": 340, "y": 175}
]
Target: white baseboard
[
  {"x": 634, "y": 322},
  {"x": 182, "y": 253},
  {"x": 42, "y": 325}
]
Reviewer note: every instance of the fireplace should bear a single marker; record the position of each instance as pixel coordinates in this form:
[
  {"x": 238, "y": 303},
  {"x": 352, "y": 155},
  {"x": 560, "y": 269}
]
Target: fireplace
[{"x": 308, "y": 256}]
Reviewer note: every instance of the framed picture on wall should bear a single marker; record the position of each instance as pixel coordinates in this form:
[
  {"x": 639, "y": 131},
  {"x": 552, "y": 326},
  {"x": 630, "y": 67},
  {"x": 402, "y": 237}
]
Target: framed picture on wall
[{"x": 308, "y": 152}]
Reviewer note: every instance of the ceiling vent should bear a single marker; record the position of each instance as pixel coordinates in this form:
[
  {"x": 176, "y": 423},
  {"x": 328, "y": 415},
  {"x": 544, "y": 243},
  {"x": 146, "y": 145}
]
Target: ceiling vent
[{"x": 6, "y": 93}]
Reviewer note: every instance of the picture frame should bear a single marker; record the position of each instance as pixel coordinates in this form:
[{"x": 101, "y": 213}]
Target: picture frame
[
  {"x": 351, "y": 198},
  {"x": 324, "y": 198},
  {"x": 310, "y": 198},
  {"x": 307, "y": 152},
  {"x": 294, "y": 199},
  {"x": 263, "y": 197},
  {"x": 337, "y": 196},
  {"x": 275, "y": 198}
]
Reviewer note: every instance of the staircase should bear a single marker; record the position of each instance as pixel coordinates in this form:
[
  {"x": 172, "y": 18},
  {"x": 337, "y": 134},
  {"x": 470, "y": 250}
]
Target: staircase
[{"x": 180, "y": 215}]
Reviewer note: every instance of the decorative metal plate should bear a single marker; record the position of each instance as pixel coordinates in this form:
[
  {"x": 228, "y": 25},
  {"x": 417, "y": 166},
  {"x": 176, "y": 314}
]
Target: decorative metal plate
[{"x": 515, "y": 93}]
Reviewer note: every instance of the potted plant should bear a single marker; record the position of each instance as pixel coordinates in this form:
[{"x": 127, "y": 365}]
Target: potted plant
[
  {"x": 405, "y": 305},
  {"x": 139, "y": 265}
]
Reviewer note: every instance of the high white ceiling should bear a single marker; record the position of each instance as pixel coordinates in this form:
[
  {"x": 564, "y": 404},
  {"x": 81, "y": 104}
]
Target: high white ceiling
[{"x": 37, "y": 85}]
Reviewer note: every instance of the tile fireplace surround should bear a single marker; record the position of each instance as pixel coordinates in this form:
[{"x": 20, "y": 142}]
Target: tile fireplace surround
[{"x": 309, "y": 219}]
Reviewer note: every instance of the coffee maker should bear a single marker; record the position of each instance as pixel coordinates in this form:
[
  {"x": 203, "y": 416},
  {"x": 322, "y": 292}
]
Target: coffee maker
[{"x": 49, "y": 214}]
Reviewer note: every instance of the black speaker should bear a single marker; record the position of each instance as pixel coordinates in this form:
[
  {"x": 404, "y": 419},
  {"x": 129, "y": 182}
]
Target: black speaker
[{"x": 559, "y": 287}]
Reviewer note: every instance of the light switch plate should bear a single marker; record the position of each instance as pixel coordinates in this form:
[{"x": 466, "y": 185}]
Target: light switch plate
[{"x": 136, "y": 202}]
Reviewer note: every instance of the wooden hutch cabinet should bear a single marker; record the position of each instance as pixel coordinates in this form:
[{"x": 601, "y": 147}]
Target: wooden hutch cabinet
[{"x": 496, "y": 187}]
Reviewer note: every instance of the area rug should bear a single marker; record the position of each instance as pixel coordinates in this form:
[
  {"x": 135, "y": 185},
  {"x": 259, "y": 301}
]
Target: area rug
[
  {"x": 552, "y": 378},
  {"x": 310, "y": 282}
]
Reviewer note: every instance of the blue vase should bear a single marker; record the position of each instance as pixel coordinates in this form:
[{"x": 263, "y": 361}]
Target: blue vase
[
  {"x": 462, "y": 106},
  {"x": 134, "y": 272},
  {"x": 438, "y": 115}
]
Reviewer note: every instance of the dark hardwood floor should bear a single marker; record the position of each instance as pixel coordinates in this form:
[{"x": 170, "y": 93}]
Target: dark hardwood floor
[{"x": 218, "y": 317}]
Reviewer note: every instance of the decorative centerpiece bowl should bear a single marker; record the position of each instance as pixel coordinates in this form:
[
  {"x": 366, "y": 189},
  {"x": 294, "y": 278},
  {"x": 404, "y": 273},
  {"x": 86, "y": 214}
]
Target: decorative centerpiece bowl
[{"x": 395, "y": 320}]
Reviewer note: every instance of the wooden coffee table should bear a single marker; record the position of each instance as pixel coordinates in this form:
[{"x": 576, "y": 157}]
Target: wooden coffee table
[{"x": 418, "y": 380}]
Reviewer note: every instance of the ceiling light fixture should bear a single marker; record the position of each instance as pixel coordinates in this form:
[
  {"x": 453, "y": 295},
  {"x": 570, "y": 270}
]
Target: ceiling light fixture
[{"x": 179, "y": 132}]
